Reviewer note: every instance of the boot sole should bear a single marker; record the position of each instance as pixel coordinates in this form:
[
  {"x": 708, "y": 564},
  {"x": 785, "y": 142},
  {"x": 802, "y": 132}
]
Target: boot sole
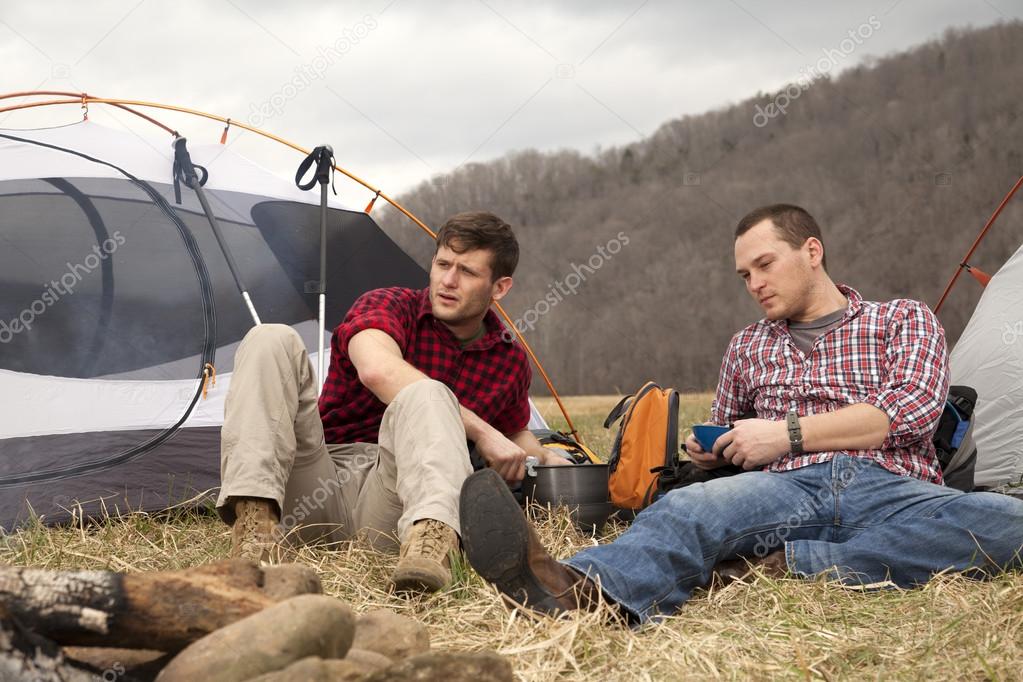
[
  {"x": 495, "y": 535},
  {"x": 413, "y": 581}
]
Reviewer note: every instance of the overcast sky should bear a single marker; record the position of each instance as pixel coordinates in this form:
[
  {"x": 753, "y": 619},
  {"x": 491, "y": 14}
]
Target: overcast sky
[{"x": 407, "y": 89}]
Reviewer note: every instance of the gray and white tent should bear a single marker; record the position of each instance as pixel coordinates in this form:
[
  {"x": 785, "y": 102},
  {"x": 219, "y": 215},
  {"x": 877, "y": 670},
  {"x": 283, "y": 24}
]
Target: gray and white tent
[
  {"x": 989, "y": 358},
  {"x": 114, "y": 299}
]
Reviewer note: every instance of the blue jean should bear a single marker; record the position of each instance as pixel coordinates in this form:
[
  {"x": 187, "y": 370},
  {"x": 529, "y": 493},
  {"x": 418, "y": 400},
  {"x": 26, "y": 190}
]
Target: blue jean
[{"x": 849, "y": 519}]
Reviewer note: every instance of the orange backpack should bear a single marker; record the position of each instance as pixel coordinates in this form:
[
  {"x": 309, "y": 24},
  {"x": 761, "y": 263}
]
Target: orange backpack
[{"x": 647, "y": 440}]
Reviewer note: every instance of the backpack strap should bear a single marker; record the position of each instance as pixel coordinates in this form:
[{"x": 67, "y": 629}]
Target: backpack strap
[
  {"x": 963, "y": 399},
  {"x": 617, "y": 411},
  {"x": 623, "y": 405}
]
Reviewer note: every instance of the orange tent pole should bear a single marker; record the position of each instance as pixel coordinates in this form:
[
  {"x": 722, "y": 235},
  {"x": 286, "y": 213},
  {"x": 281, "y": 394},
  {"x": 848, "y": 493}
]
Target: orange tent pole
[{"x": 964, "y": 264}]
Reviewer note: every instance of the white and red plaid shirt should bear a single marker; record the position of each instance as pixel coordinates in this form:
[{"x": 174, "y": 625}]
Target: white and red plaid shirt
[{"x": 890, "y": 355}]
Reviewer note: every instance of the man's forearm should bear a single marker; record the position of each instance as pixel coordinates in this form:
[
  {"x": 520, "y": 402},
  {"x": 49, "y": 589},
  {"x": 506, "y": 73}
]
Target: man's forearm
[
  {"x": 528, "y": 442},
  {"x": 755, "y": 443},
  {"x": 854, "y": 427},
  {"x": 380, "y": 365},
  {"x": 475, "y": 427}
]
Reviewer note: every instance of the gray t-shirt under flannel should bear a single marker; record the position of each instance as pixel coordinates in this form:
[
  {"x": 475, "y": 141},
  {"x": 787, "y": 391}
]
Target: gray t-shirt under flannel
[{"x": 805, "y": 333}]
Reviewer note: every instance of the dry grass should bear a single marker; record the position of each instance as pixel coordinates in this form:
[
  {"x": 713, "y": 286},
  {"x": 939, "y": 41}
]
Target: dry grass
[{"x": 951, "y": 629}]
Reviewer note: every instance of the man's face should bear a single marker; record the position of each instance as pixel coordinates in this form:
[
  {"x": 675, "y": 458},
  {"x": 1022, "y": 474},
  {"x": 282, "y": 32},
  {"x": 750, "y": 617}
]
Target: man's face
[
  {"x": 779, "y": 277},
  {"x": 461, "y": 286}
]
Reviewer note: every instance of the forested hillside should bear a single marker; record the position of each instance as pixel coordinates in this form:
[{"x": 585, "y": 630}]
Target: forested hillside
[{"x": 627, "y": 271}]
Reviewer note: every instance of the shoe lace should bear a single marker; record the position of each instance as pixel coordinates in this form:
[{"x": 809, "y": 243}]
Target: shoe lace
[
  {"x": 434, "y": 541},
  {"x": 257, "y": 526}
]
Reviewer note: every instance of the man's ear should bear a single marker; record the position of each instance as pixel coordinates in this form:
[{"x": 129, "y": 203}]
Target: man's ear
[
  {"x": 815, "y": 250},
  {"x": 500, "y": 287}
]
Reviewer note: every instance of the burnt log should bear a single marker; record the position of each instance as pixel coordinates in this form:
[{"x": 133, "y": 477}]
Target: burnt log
[
  {"x": 25, "y": 655},
  {"x": 162, "y": 611}
]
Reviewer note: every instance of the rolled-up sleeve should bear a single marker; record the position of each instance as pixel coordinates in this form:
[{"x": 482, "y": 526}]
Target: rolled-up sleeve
[
  {"x": 731, "y": 398},
  {"x": 916, "y": 384},
  {"x": 389, "y": 310}
]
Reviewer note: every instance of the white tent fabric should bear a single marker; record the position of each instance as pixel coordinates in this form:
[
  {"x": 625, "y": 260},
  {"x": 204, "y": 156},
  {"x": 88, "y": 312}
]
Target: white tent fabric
[
  {"x": 83, "y": 405},
  {"x": 989, "y": 357},
  {"x": 98, "y": 373}
]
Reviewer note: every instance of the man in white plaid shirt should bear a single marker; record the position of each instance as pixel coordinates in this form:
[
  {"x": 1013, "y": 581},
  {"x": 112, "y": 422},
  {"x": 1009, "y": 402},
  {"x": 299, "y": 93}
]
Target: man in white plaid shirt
[{"x": 840, "y": 475}]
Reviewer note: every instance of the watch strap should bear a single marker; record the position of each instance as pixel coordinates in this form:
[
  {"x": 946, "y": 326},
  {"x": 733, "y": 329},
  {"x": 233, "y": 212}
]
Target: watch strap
[{"x": 795, "y": 432}]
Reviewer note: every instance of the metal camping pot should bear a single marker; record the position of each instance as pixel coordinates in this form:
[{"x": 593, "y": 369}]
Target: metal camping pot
[{"x": 581, "y": 487}]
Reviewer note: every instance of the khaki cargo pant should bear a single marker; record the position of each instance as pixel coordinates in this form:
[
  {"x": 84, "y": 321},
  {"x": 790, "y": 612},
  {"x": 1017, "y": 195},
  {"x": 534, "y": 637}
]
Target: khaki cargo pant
[{"x": 272, "y": 446}]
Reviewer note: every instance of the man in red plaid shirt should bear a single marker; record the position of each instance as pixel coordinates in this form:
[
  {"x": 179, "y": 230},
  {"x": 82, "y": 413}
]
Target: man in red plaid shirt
[
  {"x": 413, "y": 376},
  {"x": 840, "y": 476}
]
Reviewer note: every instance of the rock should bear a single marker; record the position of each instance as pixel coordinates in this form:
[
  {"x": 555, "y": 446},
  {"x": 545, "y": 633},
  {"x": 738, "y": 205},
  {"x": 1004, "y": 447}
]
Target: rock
[
  {"x": 369, "y": 660},
  {"x": 314, "y": 669},
  {"x": 484, "y": 666},
  {"x": 396, "y": 637},
  {"x": 136, "y": 664},
  {"x": 290, "y": 580},
  {"x": 306, "y": 625}
]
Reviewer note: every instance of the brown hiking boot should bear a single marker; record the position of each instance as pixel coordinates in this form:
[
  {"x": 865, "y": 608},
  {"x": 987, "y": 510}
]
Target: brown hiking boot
[
  {"x": 774, "y": 565},
  {"x": 504, "y": 549},
  {"x": 255, "y": 523},
  {"x": 424, "y": 564}
]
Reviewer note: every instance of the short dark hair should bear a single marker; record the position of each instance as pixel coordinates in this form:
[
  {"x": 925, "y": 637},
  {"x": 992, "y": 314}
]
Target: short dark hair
[
  {"x": 482, "y": 230},
  {"x": 793, "y": 224}
]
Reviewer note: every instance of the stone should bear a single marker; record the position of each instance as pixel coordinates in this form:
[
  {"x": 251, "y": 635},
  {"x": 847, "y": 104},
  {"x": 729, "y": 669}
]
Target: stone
[
  {"x": 315, "y": 669},
  {"x": 273, "y": 639},
  {"x": 368, "y": 660},
  {"x": 449, "y": 666},
  {"x": 395, "y": 636},
  {"x": 284, "y": 581}
]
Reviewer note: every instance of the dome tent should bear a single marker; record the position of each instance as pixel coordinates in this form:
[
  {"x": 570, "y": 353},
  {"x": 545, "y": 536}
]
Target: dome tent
[
  {"x": 988, "y": 357},
  {"x": 116, "y": 304}
]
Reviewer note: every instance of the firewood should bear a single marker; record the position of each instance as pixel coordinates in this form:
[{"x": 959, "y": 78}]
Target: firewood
[
  {"x": 164, "y": 611},
  {"x": 27, "y": 656}
]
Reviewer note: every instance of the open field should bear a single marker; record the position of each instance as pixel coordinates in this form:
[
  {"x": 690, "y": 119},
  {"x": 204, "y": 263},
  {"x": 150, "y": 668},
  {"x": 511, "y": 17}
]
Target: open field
[{"x": 787, "y": 629}]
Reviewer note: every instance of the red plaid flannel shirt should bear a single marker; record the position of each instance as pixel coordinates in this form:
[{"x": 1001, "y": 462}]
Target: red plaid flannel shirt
[
  {"x": 890, "y": 355},
  {"x": 490, "y": 376}
]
